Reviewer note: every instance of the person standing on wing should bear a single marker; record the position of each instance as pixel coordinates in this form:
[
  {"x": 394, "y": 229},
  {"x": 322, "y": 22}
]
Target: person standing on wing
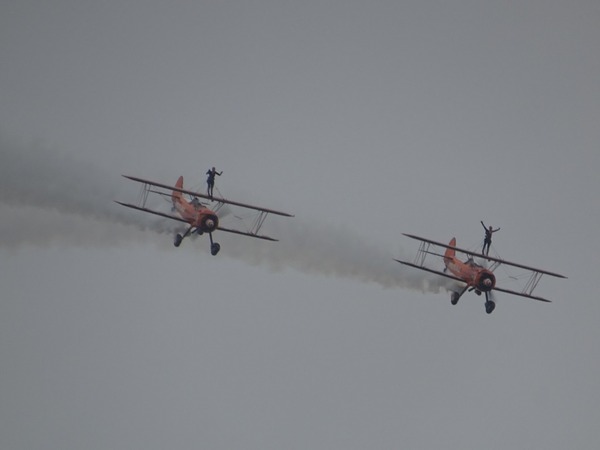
[
  {"x": 210, "y": 181},
  {"x": 487, "y": 242}
]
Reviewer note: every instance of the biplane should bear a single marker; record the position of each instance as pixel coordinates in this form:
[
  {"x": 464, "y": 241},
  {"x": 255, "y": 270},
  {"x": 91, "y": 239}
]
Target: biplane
[
  {"x": 475, "y": 276},
  {"x": 199, "y": 217}
]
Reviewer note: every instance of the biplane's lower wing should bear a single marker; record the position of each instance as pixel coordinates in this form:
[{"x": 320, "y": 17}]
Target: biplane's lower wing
[
  {"x": 506, "y": 291},
  {"x": 522, "y": 294},
  {"x": 170, "y": 216},
  {"x": 245, "y": 233},
  {"x": 489, "y": 258},
  {"x": 151, "y": 211},
  {"x": 427, "y": 269}
]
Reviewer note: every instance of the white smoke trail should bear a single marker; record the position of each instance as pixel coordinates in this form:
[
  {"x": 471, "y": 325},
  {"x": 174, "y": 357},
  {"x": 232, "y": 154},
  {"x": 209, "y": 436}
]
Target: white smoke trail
[
  {"x": 44, "y": 227},
  {"x": 46, "y": 196},
  {"x": 32, "y": 176},
  {"x": 317, "y": 248},
  {"x": 49, "y": 198}
]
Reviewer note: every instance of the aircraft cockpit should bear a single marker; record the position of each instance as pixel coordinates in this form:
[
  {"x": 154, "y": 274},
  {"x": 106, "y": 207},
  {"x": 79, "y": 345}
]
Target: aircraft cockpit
[{"x": 196, "y": 203}]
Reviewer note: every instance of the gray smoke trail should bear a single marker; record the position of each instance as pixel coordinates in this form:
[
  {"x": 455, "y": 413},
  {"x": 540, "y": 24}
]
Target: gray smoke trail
[
  {"x": 34, "y": 226},
  {"x": 35, "y": 177},
  {"x": 318, "y": 248},
  {"x": 46, "y": 197}
]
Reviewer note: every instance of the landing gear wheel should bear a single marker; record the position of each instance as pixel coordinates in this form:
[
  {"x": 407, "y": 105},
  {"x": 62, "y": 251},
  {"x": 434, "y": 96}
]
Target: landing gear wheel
[
  {"x": 178, "y": 240},
  {"x": 489, "y": 306},
  {"x": 214, "y": 248},
  {"x": 454, "y": 298}
]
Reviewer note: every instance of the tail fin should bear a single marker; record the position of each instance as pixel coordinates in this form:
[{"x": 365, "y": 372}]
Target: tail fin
[
  {"x": 450, "y": 252},
  {"x": 176, "y": 196}
]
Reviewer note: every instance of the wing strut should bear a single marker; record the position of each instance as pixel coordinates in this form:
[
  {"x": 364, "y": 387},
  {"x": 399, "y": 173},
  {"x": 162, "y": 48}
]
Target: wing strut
[
  {"x": 143, "y": 195},
  {"x": 422, "y": 253},
  {"x": 532, "y": 282},
  {"x": 258, "y": 222}
]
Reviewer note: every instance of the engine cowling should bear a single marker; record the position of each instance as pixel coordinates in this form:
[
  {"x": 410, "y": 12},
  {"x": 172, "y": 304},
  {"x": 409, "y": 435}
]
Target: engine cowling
[
  {"x": 209, "y": 223},
  {"x": 485, "y": 281}
]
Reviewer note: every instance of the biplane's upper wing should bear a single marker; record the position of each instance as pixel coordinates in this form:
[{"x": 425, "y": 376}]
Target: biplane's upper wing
[
  {"x": 215, "y": 199},
  {"x": 490, "y": 258}
]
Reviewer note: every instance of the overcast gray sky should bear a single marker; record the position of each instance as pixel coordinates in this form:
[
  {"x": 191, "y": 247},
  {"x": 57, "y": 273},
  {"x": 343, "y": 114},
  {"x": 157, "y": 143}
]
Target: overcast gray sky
[{"x": 365, "y": 120}]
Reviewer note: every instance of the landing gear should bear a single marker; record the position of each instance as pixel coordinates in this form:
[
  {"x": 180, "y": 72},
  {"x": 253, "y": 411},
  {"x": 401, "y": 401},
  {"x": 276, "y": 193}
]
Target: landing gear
[
  {"x": 178, "y": 240},
  {"x": 489, "y": 302},
  {"x": 181, "y": 237},
  {"x": 454, "y": 298},
  {"x": 214, "y": 246}
]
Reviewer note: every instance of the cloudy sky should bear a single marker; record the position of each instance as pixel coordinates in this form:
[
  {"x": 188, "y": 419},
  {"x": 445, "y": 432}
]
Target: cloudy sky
[{"x": 365, "y": 120}]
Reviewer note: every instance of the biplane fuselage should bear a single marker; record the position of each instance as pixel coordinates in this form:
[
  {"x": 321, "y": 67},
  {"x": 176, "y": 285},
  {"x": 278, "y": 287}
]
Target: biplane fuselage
[
  {"x": 194, "y": 213},
  {"x": 474, "y": 275}
]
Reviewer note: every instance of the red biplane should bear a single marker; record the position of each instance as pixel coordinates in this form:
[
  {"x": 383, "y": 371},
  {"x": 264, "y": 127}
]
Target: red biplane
[
  {"x": 475, "y": 276},
  {"x": 199, "y": 217}
]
